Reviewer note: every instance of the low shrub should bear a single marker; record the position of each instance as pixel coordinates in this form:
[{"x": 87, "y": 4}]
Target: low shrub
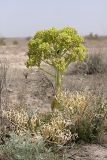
[
  {"x": 55, "y": 131},
  {"x": 86, "y": 114},
  {"x": 92, "y": 65},
  {"x": 2, "y": 42},
  {"x": 15, "y": 42},
  {"x": 92, "y": 36},
  {"x": 17, "y": 119},
  {"x": 95, "y": 64},
  {"x": 26, "y": 148},
  {"x": 22, "y": 121}
]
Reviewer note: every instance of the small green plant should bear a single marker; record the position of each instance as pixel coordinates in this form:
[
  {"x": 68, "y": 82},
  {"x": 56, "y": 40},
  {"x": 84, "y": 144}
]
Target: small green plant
[{"x": 58, "y": 48}]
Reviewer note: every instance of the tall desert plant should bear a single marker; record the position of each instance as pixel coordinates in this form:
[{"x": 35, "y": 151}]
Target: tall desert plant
[{"x": 57, "y": 48}]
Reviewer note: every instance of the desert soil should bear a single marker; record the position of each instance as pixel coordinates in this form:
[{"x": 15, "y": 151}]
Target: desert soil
[{"x": 87, "y": 152}]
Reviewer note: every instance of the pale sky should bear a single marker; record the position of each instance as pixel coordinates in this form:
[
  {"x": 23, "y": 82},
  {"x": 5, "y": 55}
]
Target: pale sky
[{"x": 20, "y": 18}]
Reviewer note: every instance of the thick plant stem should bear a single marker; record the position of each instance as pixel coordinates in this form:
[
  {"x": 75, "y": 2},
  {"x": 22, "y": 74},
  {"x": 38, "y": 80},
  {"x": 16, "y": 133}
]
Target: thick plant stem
[{"x": 58, "y": 80}]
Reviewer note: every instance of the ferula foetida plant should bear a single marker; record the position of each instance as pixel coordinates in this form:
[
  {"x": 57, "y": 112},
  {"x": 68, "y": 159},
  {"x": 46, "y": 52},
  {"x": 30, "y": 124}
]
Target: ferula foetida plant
[{"x": 58, "y": 48}]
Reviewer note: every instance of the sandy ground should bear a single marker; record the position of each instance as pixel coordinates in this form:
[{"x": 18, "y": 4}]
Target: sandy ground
[{"x": 87, "y": 152}]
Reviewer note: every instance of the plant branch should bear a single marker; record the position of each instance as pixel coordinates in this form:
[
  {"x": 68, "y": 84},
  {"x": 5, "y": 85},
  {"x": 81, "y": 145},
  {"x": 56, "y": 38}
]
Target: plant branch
[
  {"x": 47, "y": 72},
  {"x": 47, "y": 62}
]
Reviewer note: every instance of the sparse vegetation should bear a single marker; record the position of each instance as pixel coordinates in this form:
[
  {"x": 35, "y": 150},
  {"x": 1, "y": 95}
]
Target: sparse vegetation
[
  {"x": 75, "y": 116},
  {"x": 92, "y": 36},
  {"x": 30, "y": 132},
  {"x": 81, "y": 117}
]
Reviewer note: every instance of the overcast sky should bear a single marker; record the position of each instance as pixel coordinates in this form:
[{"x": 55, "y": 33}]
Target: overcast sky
[{"x": 20, "y": 18}]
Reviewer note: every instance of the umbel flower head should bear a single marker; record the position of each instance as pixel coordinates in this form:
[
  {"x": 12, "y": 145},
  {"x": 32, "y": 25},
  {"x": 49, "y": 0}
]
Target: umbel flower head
[{"x": 59, "y": 47}]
